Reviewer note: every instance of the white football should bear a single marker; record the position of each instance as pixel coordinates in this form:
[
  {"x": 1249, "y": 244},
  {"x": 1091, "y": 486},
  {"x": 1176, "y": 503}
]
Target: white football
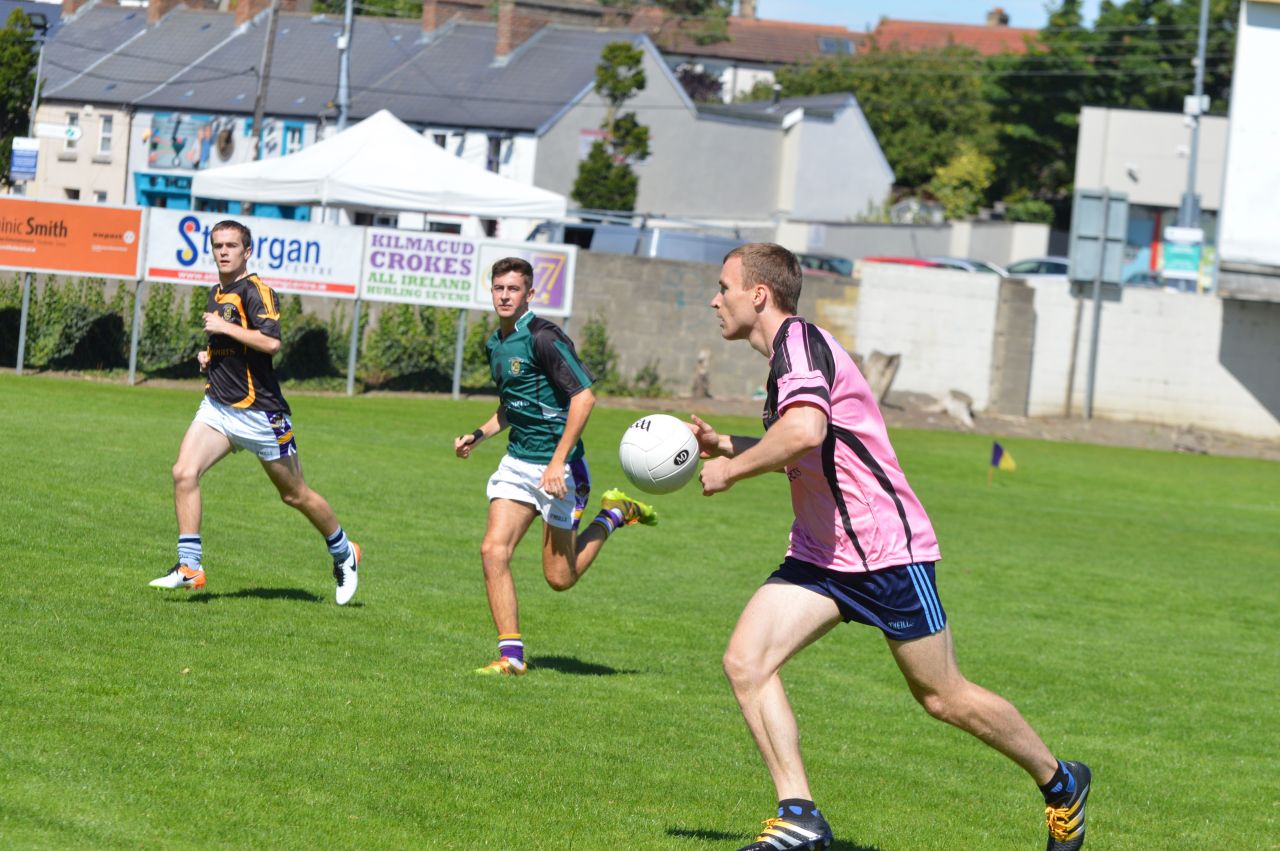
[{"x": 659, "y": 453}]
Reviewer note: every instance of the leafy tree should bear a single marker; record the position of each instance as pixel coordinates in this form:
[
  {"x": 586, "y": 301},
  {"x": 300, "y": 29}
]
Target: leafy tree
[
  {"x": 605, "y": 179},
  {"x": 920, "y": 104},
  {"x": 701, "y": 86},
  {"x": 17, "y": 84},
  {"x": 1139, "y": 54},
  {"x": 961, "y": 184}
]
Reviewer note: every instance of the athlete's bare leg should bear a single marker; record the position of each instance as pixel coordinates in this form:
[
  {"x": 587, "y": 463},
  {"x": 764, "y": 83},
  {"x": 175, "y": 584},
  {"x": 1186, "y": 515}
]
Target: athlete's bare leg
[
  {"x": 566, "y": 555},
  {"x": 508, "y": 522},
  {"x": 286, "y": 474},
  {"x": 201, "y": 448},
  {"x": 780, "y": 620},
  {"x": 929, "y": 664}
]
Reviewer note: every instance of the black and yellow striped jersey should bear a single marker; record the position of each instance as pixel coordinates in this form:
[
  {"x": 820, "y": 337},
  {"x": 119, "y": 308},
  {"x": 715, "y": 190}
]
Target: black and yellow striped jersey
[{"x": 240, "y": 376}]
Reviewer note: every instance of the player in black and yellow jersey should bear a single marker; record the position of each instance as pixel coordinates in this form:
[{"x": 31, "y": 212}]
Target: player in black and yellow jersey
[{"x": 243, "y": 408}]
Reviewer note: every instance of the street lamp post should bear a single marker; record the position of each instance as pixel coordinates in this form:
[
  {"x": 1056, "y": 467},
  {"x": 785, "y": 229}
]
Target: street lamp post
[{"x": 40, "y": 24}]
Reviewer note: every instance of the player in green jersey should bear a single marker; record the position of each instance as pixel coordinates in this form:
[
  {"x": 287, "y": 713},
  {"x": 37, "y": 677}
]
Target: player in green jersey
[{"x": 545, "y": 398}]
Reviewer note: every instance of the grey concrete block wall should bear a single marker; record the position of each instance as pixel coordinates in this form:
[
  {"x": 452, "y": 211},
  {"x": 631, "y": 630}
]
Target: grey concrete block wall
[
  {"x": 1012, "y": 346},
  {"x": 659, "y": 311}
]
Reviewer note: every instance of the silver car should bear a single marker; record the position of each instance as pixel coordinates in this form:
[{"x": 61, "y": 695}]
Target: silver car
[{"x": 1049, "y": 266}]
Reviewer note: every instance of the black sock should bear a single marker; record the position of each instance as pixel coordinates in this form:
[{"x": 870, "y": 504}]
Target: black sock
[
  {"x": 1060, "y": 786},
  {"x": 798, "y": 808}
]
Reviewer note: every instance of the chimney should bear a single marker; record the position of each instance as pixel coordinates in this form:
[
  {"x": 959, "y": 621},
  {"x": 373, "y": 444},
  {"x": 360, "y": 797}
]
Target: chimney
[
  {"x": 156, "y": 9},
  {"x": 70, "y": 7},
  {"x": 437, "y": 13},
  {"x": 515, "y": 25},
  {"x": 519, "y": 20},
  {"x": 747, "y": 9},
  {"x": 247, "y": 10},
  {"x": 997, "y": 17}
]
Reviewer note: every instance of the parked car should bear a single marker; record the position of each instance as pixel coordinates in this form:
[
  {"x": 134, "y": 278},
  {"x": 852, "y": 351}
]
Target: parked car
[
  {"x": 1047, "y": 266},
  {"x": 906, "y": 261},
  {"x": 968, "y": 264},
  {"x": 827, "y": 263},
  {"x": 611, "y": 238}
]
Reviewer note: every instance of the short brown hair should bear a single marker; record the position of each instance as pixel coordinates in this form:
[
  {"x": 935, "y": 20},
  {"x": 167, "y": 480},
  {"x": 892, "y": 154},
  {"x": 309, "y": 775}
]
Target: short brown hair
[
  {"x": 231, "y": 224},
  {"x": 774, "y": 266},
  {"x": 513, "y": 264}
]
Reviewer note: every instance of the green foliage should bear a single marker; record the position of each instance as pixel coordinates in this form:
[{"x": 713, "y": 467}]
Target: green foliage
[
  {"x": 1021, "y": 207},
  {"x": 601, "y": 359},
  {"x": 18, "y": 56},
  {"x": 605, "y": 179},
  {"x": 476, "y": 374},
  {"x": 920, "y": 104},
  {"x": 412, "y": 347},
  {"x": 961, "y": 184},
  {"x": 172, "y": 330},
  {"x": 375, "y": 8},
  {"x": 1139, "y": 55},
  {"x": 72, "y": 326}
]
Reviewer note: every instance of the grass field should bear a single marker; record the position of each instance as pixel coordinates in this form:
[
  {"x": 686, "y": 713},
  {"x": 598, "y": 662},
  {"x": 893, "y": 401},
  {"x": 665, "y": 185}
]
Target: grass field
[{"x": 1126, "y": 601}]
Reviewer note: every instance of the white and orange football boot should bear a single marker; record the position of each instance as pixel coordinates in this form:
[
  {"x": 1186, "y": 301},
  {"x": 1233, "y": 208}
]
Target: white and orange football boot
[{"x": 180, "y": 576}]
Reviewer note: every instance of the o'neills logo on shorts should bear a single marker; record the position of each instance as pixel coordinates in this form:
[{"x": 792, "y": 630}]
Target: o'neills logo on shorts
[{"x": 516, "y": 365}]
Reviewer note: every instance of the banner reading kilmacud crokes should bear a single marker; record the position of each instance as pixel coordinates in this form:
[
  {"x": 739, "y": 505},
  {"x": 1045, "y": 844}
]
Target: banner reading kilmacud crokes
[
  {"x": 419, "y": 267},
  {"x": 290, "y": 257}
]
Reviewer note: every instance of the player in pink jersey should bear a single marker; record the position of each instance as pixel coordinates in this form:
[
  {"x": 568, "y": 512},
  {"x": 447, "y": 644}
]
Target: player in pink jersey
[{"x": 862, "y": 549}]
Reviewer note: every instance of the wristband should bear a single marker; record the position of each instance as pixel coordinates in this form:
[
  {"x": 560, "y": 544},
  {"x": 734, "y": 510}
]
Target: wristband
[{"x": 477, "y": 435}]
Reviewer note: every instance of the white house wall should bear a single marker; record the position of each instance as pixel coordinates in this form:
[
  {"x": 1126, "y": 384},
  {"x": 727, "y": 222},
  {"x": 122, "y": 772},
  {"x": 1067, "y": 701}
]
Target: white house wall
[
  {"x": 839, "y": 172},
  {"x": 1145, "y": 155},
  {"x": 1251, "y": 215}
]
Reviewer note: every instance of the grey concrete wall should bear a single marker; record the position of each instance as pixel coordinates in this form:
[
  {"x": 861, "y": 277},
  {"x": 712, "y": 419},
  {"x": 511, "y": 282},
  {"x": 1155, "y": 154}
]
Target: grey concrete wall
[
  {"x": 1012, "y": 348},
  {"x": 659, "y": 311}
]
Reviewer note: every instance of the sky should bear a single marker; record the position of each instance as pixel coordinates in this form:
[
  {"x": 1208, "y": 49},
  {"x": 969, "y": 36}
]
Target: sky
[{"x": 863, "y": 14}]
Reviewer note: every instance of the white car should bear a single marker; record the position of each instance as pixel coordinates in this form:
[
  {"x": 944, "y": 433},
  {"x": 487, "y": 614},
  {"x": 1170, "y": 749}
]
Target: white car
[
  {"x": 968, "y": 264},
  {"x": 1055, "y": 267}
]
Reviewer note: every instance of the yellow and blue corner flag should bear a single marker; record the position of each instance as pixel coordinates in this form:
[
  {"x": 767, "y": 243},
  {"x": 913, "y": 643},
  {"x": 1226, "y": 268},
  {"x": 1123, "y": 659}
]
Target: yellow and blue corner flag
[{"x": 1001, "y": 459}]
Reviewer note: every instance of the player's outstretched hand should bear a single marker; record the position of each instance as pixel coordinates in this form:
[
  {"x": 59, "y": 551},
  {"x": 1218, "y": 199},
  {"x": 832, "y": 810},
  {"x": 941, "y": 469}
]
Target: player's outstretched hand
[
  {"x": 463, "y": 445},
  {"x": 714, "y": 476},
  {"x": 708, "y": 438},
  {"x": 552, "y": 481}
]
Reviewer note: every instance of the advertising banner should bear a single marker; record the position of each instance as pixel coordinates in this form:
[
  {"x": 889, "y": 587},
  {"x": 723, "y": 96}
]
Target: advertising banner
[
  {"x": 290, "y": 257},
  {"x": 70, "y": 239},
  {"x": 420, "y": 267},
  {"x": 553, "y": 270}
]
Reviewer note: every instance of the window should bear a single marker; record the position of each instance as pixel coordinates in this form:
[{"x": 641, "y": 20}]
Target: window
[
  {"x": 73, "y": 124},
  {"x": 441, "y": 139},
  {"x": 99, "y": 197},
  {"x": 494, "y": 157},
  {"x": 292, "y": 139},
  {"x": 104, "y": 135},
  {"x": 835, "y": 46},
  {"x": 72, "y": 194}
]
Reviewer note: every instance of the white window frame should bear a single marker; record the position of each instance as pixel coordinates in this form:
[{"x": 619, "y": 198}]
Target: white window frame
[
  {"x": 106, "y": 129},
  {"x": 69, "y": 144}
]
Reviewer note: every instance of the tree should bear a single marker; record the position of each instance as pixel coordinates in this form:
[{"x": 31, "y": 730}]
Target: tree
[
  {"x": 961, "y": 184},
  {"x": 17, "y": 84},
  {"x": 920, "y": 104},
  {"x": 605, "y": 179},
  {"x": 701, "y": 86},
  {"x": 1139, "y": 54}
]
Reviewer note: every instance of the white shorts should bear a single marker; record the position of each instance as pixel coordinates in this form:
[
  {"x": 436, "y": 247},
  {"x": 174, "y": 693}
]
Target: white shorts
[
  {"x": 517, "y": 480},
  {"x": 268, "y": 433}
]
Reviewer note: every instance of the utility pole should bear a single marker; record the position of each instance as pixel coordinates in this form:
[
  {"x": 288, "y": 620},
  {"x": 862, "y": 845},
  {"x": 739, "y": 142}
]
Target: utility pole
[
  {"x": 344, "y": 67},
  {"x": 344, "y": 105},
  {"x": 39, "y": 24},
  {"x": 1189, "y": 211},
  {"x": 264, "y": 76}
]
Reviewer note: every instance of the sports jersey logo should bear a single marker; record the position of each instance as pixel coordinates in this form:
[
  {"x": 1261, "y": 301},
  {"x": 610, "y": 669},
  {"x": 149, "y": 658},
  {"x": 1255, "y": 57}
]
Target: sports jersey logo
[
  {"x": 229, "y": 312},
  {"x": 516, "y": 365}
]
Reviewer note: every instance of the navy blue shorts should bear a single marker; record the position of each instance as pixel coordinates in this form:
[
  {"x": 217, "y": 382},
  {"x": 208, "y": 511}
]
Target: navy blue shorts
[{"x": 902, "y": 602}]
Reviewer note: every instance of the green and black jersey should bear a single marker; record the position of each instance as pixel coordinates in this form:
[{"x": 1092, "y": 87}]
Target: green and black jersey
[
  {"x": 240, "y": 376},
  {"x": 537, "y": 371}
]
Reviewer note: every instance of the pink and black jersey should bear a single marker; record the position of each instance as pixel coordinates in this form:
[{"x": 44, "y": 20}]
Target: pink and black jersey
[{"x": 854, "y": 510}]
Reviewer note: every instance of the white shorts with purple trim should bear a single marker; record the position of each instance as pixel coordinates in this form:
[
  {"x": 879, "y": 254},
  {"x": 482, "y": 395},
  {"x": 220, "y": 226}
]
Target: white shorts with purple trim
[
  {"x": 269, "y": 434},
  {"x": 518, "y": 480}
]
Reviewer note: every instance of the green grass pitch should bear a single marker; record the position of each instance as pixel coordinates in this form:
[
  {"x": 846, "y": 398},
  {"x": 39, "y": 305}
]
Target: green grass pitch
[{"x": 1125, "y": 601}]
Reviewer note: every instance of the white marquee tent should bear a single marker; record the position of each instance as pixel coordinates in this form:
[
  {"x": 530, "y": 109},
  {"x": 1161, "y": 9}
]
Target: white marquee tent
[{"x": 379, "y": 164}]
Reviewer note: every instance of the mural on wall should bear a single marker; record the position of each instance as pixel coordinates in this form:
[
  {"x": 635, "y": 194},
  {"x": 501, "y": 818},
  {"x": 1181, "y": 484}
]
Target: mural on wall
[{"x": 177, "y": 140}]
